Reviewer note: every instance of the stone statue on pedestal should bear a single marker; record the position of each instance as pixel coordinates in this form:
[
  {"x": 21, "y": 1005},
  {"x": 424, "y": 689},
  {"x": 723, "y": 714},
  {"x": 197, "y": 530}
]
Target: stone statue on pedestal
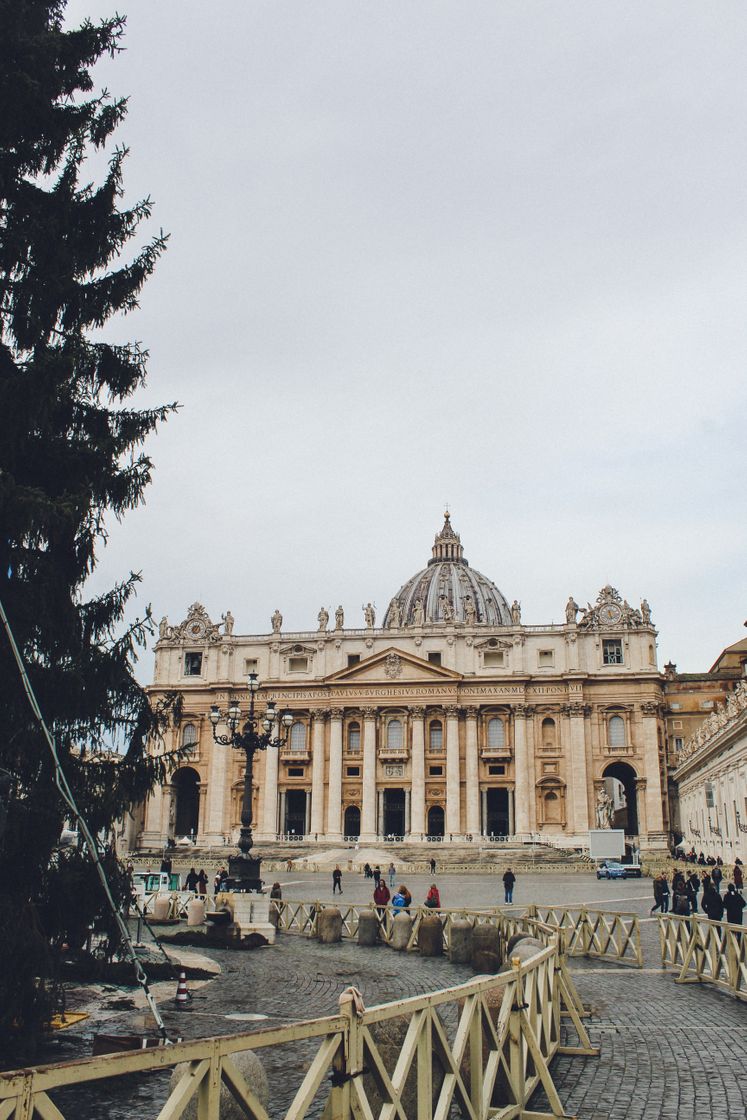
[
  {"x": 571, "y": 609},
  {"x": 516, "y": 612},
  {"x": 323, "y": 618},
  {"x": 277, "y": 621},
  {"x": 339, "y": 617}
]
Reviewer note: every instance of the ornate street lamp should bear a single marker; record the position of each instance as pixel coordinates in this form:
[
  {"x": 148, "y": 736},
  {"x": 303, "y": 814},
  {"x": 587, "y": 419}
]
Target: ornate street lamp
[{"x": 243, "y": 869}]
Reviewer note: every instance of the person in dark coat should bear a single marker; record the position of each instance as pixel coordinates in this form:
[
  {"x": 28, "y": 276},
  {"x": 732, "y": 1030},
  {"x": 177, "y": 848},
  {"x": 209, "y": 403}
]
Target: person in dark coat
[
  {"x": 717, "y": 875},
  {"x": 508, "y": 885},
  {"x": 713, "y": 905},
  {"x": 190, "y": 883},
  {"x": 376, "y": 874},
  {"x": 694, "y": 884},
  {"x": 738, "y": 877},
  {"x": 202, "y": 882},
  {"x": 337, "y": 879},
  {"x": 661, "y": 901},
  {"x": 733, "y": 905}
]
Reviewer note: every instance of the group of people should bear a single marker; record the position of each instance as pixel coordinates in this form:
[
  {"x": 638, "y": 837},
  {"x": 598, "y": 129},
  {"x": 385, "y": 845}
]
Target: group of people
[
  {"x": 402, "y": 899},
  {"x": 376, "y": 873},
  {"x": 701, "y": 859},
  {"x": 683, "y": 896}
]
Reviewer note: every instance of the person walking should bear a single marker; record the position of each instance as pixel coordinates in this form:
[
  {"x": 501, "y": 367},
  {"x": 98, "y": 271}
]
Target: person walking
[
  {"x": 733, "y": 905},
  {"x": 367, "y": 873},
  {"x": 508, "y": 885},
  {"x": 392, "y": 875},
  {"x": 190, "y": 883},
  {"x": 433, "y": 866},
  {"x": 717, "y": 875},
  {"x": 680, "y": 897},
  {"x": 738, "y": 877},
  {"x": 661, "y": 893},
  {"x": 337, "y": 880},
  {"x": 377, "y": 874}
]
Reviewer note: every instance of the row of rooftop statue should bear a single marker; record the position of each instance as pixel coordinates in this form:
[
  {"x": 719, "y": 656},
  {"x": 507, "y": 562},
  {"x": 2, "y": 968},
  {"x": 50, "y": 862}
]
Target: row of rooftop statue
[{"x": 618, "y": 612}]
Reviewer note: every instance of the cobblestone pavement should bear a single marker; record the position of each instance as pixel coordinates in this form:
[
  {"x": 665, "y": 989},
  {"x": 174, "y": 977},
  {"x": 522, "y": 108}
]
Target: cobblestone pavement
[{"x": 667, "y": 1050}]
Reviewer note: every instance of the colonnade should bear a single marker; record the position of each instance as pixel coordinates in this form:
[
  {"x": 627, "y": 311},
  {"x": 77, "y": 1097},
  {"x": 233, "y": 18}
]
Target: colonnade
[{"x": 327, "y": 773}]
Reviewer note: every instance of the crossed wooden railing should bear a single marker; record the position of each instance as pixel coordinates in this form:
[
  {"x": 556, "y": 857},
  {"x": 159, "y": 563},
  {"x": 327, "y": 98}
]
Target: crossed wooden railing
[
  {"x": 508, "y": 1029},
  {"x": 606, "y": 935},
  {"x": 703, "y": 951}
]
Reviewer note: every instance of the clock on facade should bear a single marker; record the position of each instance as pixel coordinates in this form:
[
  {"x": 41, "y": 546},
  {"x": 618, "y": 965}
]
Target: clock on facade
[{"x": 610, "y": 614}]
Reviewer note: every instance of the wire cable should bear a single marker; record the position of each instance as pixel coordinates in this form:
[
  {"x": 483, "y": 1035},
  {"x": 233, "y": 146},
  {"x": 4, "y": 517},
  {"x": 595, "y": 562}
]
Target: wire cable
[{"x": 67, "y": 796}]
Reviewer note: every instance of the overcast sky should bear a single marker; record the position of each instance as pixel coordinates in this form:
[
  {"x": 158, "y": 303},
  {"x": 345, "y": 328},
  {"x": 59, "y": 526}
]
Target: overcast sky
[{"x": 486, "y": 253}]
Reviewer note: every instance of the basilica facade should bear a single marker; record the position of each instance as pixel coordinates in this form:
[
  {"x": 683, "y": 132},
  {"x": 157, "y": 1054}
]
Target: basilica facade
[{"x": 451, "y": 719}]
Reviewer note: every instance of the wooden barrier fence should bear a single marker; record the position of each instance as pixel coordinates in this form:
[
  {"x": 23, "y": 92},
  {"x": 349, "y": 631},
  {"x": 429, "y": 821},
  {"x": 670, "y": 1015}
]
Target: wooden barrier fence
[
  {"x": 606, "y": 935},
  {"x": 706, "y": 952},
  {"x": 508, "y": 1029}
]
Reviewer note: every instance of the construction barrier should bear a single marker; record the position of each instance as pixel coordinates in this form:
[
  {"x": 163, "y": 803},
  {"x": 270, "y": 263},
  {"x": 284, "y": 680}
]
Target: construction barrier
[{"x": 705, "y": 952}]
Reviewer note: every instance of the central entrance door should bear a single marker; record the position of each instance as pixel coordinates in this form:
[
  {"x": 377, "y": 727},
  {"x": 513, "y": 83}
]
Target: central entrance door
[
  {"x": 436, "y": 821},
  {"x": 295, "y": 811},
  {"x": 496, "y": 811},
  {"x": 394, "y": 812}
]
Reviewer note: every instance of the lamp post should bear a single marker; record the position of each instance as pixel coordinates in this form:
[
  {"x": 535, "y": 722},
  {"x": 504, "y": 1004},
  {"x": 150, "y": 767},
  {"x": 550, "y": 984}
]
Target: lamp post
[{"x": 243, "y": 869}]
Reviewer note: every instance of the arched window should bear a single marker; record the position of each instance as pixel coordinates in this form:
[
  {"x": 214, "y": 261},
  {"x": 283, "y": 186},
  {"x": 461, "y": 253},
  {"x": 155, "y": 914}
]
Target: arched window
[
  {"x": 549, "y": 733},
  {"x": 496, "y": 733},
  {"x": 354, "y": 738},
  {"x": 616, "y": 731},
  {"x": 394, "y": 735},
  {"x": 189, "y": 735},
  {"x": 436, "y": 735},
  {"x": 298, "y": 737}
]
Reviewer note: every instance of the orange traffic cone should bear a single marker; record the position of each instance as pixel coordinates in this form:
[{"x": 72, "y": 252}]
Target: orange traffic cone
[{"x": 182, "y": 994}]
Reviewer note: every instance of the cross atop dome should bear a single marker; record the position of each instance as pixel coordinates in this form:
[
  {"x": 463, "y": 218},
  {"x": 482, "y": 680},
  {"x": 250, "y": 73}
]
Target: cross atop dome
[{"x": 447, "y": 545}]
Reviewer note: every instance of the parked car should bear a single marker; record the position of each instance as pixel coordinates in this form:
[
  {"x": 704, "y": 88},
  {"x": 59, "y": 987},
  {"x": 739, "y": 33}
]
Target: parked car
[{"x": 613, "y": 869}]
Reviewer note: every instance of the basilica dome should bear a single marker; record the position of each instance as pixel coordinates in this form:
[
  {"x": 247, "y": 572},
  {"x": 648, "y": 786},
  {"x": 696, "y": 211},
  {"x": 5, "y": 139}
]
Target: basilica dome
[{"x": 448, "y": 590}]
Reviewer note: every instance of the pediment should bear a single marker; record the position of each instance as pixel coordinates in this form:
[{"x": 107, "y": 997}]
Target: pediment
[{"x": 393, "y": 665}]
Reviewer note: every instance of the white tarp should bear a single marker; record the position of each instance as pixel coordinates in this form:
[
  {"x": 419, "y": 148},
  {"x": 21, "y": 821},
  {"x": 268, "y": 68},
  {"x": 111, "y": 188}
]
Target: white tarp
[{"x": 607, "y": 843}]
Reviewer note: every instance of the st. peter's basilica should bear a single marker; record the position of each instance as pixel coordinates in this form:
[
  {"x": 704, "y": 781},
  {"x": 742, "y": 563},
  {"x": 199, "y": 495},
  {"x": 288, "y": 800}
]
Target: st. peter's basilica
[{"x": 450, "y": 719}]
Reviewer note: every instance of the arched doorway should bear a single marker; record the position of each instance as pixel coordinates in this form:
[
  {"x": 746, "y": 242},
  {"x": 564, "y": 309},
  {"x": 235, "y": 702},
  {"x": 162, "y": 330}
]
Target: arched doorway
[
  {"x": 186, "y": 785},
  {"x": 436, "y": 824},
  {"x": 620, "y": 781},
  {"x": 394, "y": 812},
  {"x": 352, "y": 823}
]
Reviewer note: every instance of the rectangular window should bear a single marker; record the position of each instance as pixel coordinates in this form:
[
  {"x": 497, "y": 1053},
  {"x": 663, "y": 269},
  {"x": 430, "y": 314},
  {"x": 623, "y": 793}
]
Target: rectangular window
[
  {"x": 250, "y": 665},
  {"x": 679, "y": 743},
  {"x": 353, "y": 772},
  {"x": 298, "y": 664},
  {"x": 612, "y": 651},
  {"x": 496, "y": 770},
  {"x": 434, "y": 657},
  {"x": 192, "y": 664},
  {"x": 353, "y": 659},
  {"x": 295, "y": 772},
  {"x": 710, "y": 799},
  {"x": 545, "y": 658},
  {"x": 677, "y": 724},
  {"x": 675, "y": 706},
  {"x": 435, "y": 771},
  {"x": 493, "y": 659},
  {"x": 706, "y": 703}
]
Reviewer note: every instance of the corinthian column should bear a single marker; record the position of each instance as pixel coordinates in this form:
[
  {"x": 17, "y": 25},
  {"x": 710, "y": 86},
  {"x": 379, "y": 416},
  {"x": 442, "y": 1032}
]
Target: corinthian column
[
  {"x": 578, "y": 775},
  {"x": 472, "y": 774},
  {"x": 417, "y": 802},
  {"x": 453, "y": 816},
  {"x": 521, "y": 767},
  {"x": 368, "y": 816},
  {"x": 317, "y": 774},
  {"x": 655, "y": 834},
  {"x": 334, "y": 789},
  {"x": 270, "y": 794}
]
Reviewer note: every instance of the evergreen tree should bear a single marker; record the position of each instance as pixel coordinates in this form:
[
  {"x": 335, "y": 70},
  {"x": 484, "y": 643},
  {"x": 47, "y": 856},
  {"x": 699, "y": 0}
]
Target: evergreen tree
[{"x": 70, "y": 455}]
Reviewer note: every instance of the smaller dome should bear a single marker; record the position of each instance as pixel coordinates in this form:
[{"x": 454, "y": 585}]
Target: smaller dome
[{"x": 448, "y": 590}]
